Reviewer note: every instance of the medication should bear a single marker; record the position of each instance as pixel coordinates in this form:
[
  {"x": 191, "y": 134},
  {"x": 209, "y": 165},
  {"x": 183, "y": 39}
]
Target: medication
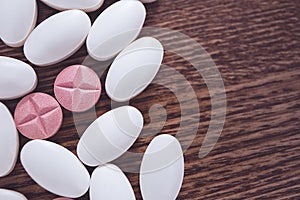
[
  {"x": 148, "y": 1},
  {"x": 55, "y": 168},
  {"x": 115, "y": 28},
  {"x": 11, "y": 195},
  {"x": 17, "y": 20},
  {"x": 109, "y": 136},
  {"x": 77, "y": 88},
  {"x": 162, "y": 169},
  {"x": 38, "y": 116},
  {"x": 109, "y": 182},
  {"x": 16, "y": 78},
  {"x": 134, "y": 69},
  {"x": 9, "y": 143},
  {"x": 57, "y": 38},
  {"x": 87, "y": 6}
]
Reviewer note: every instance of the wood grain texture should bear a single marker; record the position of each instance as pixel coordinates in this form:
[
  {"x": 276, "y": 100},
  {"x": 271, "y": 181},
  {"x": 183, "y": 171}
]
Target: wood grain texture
[{"x": 256, "y": 47}]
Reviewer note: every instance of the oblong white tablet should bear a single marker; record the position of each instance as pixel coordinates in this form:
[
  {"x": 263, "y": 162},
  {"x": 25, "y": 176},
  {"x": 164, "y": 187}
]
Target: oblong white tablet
[
  {"x": 115, "y": 28},
  {"x": 162, "y": 169},
  {"x": 109, "y": 182},
  {"x": 134, "y": 69},
  {"x": 9, "y": 143},
  {"x": 57, "y": 38},
  {"x": 111, "y": 135},
  {"x": 87, "y": 6},
  {"x": 16, "y": 78},
  {"x": 55, "y": 168},
  {"x": 11, "y": 195},
  {"x": 17, "y": 20}
]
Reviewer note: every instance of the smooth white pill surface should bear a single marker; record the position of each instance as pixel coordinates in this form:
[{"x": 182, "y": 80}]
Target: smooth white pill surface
[
  {"x": 115, "y": 28},
  {"x": 110, "y": 183},
  {"x": 134, "y": 69},
  {"x": 17, "y": 20},
  {"x": 55, "y": 168},
  {"x": 11, "y": 195},
  {"x": 16, "y": 78},
  {"x": 87, "y": 6},
  {"x": 111, "y": 135},
  {"x": 162, "y": 169},
  {"x": 57, "y": 38},
  {"x": 9, "y": 143}
]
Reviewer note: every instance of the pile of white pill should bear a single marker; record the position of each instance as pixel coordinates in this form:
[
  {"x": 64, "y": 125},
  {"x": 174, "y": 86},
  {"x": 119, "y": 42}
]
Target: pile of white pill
[{"x": 77, "y": 88}]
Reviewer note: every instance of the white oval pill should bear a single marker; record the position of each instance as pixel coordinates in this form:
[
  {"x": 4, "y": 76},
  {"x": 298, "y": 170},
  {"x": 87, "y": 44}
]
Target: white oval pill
[
  {"x": 55, "y": 168},
  {"x": 17, "y": 20},
  {"x": 9, "y": 143},
  {"x": 110, "y": 183},
  {"x": 134, "y": 69},
  {"x": 11, "y": 195},
  {"x": 16, "y": 78},
  {"x": 87, "y": 6},
  {"x": 115, "y": 28},
  {"x": 162, "y": 169},
  {"x": 111, "y": 135},
  {"x": 57, "y": 38}
]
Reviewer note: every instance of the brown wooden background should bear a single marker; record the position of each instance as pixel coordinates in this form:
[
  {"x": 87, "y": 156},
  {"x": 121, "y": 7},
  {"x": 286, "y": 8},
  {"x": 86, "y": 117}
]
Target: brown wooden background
[{"x": 256, "y": 47}]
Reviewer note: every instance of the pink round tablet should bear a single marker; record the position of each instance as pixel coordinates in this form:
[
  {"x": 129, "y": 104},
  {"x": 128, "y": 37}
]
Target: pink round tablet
[
  {"x": 77, "y": 88},
  {"x": 38, "y": 116}
]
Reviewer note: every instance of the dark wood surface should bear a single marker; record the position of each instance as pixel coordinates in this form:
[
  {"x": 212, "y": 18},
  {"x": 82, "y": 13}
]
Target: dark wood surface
[{"x": 256, "y": 47}]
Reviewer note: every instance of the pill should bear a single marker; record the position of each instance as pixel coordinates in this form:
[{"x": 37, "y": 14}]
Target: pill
[
  {"x": 162, "y": 169},
  {"x": 11, "y": 85},
  {"x": 134, "y": 69},
  {"x": 55, "y": 168},
  {"x": 108, "y": 178},
  {"x": 38, "y": 116},
  {"x": 77, "y": 88},
  {"x": 57, "y": 38},
  {"x": 115, "y": 28},
  {"x": 9, "y": 143},
  {"x": 148, "y": 1},
  {"x": 87, "y": 6},
  {"x": 17, "y": 20},
  {"x": 109, "y": 136},
  {"x": 11, "y": 195}
]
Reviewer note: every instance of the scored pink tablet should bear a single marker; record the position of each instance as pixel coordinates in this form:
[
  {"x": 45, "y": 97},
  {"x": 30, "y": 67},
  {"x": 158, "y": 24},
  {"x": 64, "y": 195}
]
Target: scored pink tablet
[
  {"x": 38, "y": 116},
  {"x": 77, "y": 88}
]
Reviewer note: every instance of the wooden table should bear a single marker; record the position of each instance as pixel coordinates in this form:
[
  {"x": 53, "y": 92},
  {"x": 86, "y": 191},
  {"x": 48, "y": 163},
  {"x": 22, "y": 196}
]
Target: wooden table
[{"x": 256, "y": 47}]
